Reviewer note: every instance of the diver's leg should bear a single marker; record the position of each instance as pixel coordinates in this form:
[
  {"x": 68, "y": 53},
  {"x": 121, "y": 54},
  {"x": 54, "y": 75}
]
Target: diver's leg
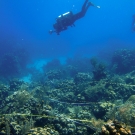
[
  {"x": 77, "y": 16},
  {"x": 82, "y": 12},
  {"x": 84, "y": 5},
  {"x": 86, "y": 8}
]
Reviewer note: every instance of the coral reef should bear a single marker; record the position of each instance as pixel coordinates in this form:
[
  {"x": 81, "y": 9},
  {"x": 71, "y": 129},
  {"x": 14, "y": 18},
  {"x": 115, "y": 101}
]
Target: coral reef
[
  {"x": 99, "y": 69},
  {"x": 115, "y": 128},
  {"x": 69, "y": 100},
  {"x": 121, "y": 61},
  {"x": 55, "y": 74},
  {"x": 79, "y": 64},
  {"x": 52, "y": 65},
  {"x": 15, "y": 84},
  {"x": 14, "y": 64}
]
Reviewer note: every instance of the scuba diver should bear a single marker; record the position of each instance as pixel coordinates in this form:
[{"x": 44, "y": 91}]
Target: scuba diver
[
  {"x": 133, "y": 23},
  {"x": 68, "y": 19}
]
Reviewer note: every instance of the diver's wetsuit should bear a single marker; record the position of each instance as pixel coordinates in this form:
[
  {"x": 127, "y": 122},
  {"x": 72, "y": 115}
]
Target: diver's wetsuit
[
  {"x": 82, "y": 13},
  {"x": 62, "y": 22}
]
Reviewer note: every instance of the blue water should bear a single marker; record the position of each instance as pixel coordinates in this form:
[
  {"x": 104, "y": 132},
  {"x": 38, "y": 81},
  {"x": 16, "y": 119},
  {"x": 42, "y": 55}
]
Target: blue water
[{"x": 26, "y": 23}]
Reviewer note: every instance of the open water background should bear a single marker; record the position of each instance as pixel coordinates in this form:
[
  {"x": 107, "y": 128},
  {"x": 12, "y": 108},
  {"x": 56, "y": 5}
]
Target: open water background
[{"x": 25, "y": 23}]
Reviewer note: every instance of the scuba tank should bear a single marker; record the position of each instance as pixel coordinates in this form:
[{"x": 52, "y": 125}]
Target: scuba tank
[
  {"x": 63, "y": 21},
  {"x": 67, "y": 15}
]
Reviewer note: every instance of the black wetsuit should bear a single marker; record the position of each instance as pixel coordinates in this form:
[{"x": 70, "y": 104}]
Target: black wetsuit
[
  {"x": 63, "y": 22},
  {"x": 82, "y": 13}
]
